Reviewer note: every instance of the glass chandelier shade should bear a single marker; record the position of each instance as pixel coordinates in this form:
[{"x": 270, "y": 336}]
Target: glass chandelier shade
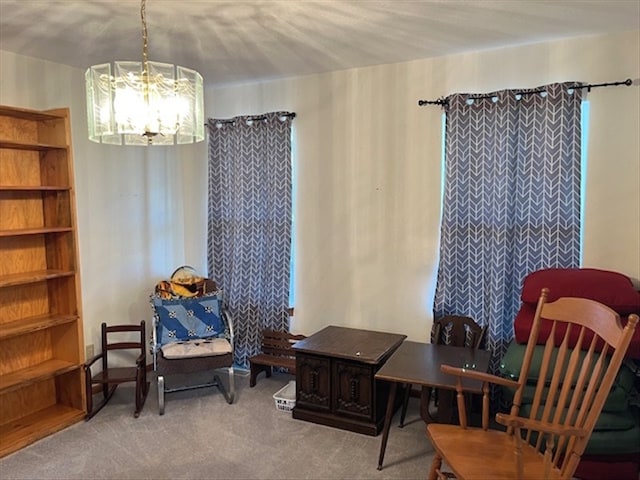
[{"x": 144, "y": 103}]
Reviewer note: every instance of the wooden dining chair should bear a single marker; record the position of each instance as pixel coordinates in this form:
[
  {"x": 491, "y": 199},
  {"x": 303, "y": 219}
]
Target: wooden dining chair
[
  {"x": 456, "y": 331},
  {"x": 580, "y": 361}
]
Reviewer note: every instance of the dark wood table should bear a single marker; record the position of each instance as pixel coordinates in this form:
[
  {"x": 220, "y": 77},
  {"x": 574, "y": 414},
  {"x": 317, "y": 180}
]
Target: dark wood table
[
  {"x": 416, "y": 363},
  {"x": 335, "y": 383}
]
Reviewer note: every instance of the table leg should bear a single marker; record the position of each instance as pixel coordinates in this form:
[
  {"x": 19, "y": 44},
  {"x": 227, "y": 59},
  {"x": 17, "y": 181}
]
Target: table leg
[
  {"x": 446, "y": 403},
  {"x": 425, "y": 399},
  {"x": 405, "y": 404},
  {"x": 387, "y": 422}
]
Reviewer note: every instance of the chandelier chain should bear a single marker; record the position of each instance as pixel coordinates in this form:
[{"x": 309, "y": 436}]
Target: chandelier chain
[
  {"x": 145, "y": 67},
  {"x": 145, "y": 44}
]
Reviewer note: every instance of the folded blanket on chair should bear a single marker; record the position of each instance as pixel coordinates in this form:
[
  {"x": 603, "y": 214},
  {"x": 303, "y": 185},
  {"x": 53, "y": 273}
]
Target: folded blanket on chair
[{"x": 196, "y": 348}]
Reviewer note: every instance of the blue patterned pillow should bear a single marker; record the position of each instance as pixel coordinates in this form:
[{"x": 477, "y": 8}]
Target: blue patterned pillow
[{"x": 187, "y": 318}]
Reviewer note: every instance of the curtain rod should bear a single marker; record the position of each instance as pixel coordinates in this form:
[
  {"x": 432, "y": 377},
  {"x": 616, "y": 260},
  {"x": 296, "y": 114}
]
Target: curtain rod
[
  {"x": 255, "y": 118},
  {"x": 445, "y": 101}
]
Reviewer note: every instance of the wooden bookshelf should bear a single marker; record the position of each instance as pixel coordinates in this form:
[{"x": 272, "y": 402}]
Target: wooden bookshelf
[{"x": 41, "y": 339}]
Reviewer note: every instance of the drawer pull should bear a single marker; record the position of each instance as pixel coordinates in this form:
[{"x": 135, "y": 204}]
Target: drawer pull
[{"x": 355, "y": 389}]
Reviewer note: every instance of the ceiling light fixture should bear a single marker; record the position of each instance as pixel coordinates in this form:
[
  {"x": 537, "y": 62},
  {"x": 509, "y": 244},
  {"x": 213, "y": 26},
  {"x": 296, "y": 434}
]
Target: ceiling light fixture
[{"x": 144, "y": 103}]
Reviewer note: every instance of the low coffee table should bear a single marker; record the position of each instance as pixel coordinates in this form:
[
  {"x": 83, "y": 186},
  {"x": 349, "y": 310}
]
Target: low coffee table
[{"x": 416, "y": 363}]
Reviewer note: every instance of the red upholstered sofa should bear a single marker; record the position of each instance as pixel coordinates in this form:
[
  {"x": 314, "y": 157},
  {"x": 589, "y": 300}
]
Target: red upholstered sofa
[
  {"x": 610, "y": 453},
  {"x": 610, "y": 288}
]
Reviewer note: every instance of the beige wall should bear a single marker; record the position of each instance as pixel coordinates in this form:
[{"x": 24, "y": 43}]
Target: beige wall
[{"x": 368, "y": 163}]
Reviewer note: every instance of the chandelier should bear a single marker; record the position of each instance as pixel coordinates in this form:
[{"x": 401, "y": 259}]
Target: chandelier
[{"x": 144, "y": 103}]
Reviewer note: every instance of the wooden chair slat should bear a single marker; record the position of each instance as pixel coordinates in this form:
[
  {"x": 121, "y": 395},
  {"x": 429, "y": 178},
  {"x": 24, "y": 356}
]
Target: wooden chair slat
[{"x": 542, "y": 377}]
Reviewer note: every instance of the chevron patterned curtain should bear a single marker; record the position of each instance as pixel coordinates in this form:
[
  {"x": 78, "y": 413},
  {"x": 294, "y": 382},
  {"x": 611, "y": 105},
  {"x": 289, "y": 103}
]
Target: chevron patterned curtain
[
  {"x": 511, "y": 201},
  {"x": 249, "y": 224}
]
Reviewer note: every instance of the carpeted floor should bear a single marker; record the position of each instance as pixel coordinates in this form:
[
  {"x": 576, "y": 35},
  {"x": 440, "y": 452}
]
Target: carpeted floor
[{"x": 202, "y": 437}]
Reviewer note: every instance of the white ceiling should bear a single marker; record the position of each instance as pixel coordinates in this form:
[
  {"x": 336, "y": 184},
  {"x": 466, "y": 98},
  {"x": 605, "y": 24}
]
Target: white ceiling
[{"x": 231, "y": 41}]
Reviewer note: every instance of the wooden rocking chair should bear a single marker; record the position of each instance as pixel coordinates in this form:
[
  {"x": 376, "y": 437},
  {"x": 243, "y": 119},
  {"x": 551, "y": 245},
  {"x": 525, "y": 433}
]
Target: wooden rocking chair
[
  {"x": 111, "y": 376},
  {"x": 580, "y": 361}
]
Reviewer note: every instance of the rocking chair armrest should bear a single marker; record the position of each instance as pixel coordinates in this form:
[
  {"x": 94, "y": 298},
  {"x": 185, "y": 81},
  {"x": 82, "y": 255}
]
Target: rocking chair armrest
[
  {"x": 520, "y": 422},
  {"x": 477, "y": 375},
  {"x": 95, "y": 358},
  {"x": 141, "y": 360},
  {"x": 228, "y": 319}
]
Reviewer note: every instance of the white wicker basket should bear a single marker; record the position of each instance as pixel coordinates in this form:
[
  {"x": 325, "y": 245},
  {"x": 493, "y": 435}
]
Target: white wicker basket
[{"x": 285, "y": 398}]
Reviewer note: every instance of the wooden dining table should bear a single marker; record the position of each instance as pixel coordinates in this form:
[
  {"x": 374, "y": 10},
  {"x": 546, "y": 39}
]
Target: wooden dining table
[{"x": 415, "y": 363}]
